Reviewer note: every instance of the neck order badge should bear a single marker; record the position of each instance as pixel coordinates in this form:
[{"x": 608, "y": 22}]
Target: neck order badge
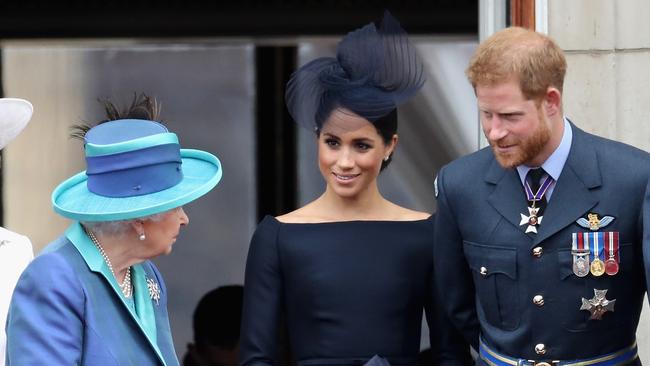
[{"x": 534, "y": 217}]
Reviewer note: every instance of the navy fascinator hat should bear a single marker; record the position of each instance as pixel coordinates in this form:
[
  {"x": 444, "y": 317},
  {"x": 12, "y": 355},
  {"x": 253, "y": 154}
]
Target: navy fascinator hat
[{"x": 373, "y": 72}]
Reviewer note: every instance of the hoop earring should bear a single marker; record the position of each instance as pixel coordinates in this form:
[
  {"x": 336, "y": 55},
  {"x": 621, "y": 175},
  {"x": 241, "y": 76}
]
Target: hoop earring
[{"x": 142, "y": 236}]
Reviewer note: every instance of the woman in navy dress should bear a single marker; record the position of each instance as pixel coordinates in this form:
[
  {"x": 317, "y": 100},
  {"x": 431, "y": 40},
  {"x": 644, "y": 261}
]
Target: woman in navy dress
[{"x": 351, "y": 272}]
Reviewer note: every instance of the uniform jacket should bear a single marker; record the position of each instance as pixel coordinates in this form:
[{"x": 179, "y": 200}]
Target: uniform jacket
[
  {"x": 15, "y": 254},
  {"x": 486, "y": 267},
  {"x": 66, "y": 310}
]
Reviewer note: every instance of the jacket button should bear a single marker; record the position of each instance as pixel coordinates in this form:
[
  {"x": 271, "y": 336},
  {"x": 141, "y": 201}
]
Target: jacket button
[
  {"x": 537, "y": 252},
  {"x": 483, "y": 271},
  {"x": 540, "y": 349},
  {"x": 538, "y": 300}
]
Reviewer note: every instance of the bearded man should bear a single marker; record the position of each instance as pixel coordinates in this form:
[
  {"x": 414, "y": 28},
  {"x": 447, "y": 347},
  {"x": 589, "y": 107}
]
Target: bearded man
[{"x": 539, "y": 243}]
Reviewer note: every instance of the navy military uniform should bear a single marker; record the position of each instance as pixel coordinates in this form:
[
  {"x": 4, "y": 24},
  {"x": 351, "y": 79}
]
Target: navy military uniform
[{"x": 518, "y": 292}]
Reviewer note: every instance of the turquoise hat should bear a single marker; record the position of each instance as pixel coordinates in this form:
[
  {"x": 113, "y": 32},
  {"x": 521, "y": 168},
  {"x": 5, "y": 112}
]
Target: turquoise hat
[{"x": 135, "y": 168}]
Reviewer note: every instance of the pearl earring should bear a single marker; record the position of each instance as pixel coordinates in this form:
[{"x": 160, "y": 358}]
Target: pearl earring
[
  {"x": 386, "y": 158},
  {"x": 142, "y": 237}
]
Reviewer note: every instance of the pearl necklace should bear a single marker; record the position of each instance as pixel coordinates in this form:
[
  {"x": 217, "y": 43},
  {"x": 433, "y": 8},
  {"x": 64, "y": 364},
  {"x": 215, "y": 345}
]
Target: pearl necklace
[{"x": 125, "y": 286}]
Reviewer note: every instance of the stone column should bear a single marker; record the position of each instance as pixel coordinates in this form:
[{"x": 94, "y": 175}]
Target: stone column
[{"x": 606, "y": 91}]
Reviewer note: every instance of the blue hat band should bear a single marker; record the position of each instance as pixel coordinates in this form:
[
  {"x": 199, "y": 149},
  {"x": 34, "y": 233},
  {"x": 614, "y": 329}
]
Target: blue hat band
[{"x": 135, "y": 173}]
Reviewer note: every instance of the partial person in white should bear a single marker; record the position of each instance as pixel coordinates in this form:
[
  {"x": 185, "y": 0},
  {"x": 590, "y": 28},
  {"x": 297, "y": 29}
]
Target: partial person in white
[{"x": 15, "y": 249}]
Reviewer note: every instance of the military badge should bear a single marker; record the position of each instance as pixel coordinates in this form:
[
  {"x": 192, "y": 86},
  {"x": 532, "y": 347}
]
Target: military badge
[
  {"x": 597, "y": 267},
  {"x": 532, "y": 220},
  {"x": 580, "y": 253},
  {"x": 612, "y": 252},
  {"x": 595, "y": 242},
  {"x": 598, "y": 305},
  {"x": 593, "y": 223}
]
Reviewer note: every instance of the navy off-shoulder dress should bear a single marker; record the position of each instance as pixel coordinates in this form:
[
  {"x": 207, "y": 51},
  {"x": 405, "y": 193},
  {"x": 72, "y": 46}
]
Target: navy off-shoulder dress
[{"x": 347, "y": 291}]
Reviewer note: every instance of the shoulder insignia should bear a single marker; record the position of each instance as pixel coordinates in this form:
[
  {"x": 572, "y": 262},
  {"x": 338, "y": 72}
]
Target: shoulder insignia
[{"x": 435, "y": 187}]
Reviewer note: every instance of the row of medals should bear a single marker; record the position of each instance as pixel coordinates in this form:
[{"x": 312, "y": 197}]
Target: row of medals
[{"x": 582, "y": 267}]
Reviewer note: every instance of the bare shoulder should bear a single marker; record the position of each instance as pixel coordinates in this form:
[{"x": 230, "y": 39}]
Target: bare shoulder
[
  {"x": 305, "y": 214},
  {"x": 406, "y": 214}
]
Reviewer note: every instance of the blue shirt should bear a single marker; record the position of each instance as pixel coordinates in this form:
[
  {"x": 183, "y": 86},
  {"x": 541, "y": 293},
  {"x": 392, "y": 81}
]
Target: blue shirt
[{"x": 555, "y": 163}]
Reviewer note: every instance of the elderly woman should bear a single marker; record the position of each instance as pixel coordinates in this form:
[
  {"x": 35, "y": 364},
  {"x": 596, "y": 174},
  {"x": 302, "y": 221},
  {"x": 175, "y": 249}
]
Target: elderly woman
[{"x": 92, "y": 297}]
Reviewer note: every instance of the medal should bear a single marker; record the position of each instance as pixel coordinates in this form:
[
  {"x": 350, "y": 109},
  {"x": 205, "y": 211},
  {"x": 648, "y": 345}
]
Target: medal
[
  {"x": 611, "y": 253},
  {"x": 611, "y": 267},
  {"x": 533, "y": 219},
  {"x": 598, "y": 305},
  {"x": 597, "y": 265},
  {"x": 580, "y": 255}
]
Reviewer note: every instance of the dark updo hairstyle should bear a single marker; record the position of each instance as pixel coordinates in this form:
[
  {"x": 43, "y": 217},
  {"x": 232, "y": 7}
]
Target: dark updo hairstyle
[{"x": 375, "y": 70}]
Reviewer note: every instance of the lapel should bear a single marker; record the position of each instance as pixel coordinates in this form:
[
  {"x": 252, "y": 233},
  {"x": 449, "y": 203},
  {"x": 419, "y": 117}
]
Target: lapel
[
  {"x": 571, "y": 198},
  {"x": 96, "y": 263},
  {"x": 572, "y": 195},
  {"x": 508, "y": 196},
  {"x": 163, "y": 331}
]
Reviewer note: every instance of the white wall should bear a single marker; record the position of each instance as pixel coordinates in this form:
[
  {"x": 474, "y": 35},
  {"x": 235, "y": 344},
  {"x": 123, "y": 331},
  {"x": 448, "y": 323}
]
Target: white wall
[{"x": 606, "y": 92}]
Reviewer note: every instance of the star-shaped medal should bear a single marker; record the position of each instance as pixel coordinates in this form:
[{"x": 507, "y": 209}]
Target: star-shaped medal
[
  {"x": 154, "y": 290},
  {"x": 532, "y": 220},
  {"x": 598, "y": 305}
]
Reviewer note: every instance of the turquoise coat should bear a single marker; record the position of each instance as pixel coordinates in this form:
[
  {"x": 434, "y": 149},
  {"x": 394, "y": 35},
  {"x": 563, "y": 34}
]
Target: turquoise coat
[{"x": 67, "y": 309}]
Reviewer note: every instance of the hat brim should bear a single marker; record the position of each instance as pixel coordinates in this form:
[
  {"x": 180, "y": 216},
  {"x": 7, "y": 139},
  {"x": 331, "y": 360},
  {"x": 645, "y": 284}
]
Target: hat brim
[
  {"x": 15, "y": 113},
  {"x": 72, "y": 199}
]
